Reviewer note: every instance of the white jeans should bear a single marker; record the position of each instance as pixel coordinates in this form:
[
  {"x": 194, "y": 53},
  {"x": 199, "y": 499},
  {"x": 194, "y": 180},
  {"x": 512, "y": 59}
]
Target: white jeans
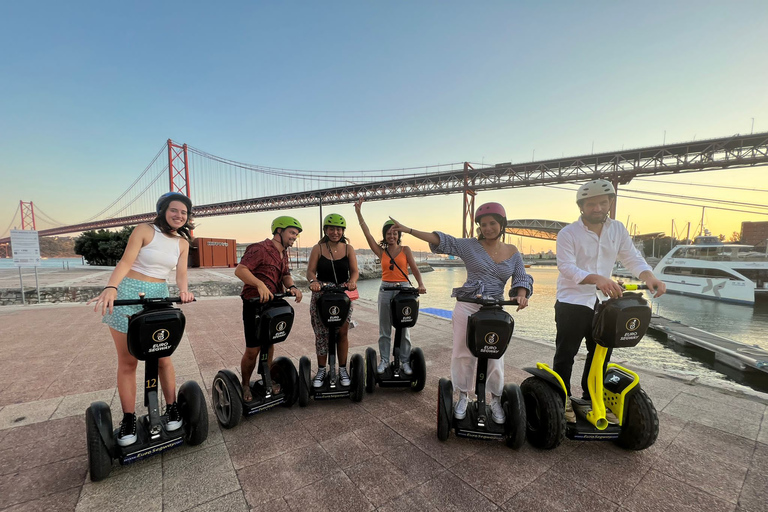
[{"x": 463, "y": 363}]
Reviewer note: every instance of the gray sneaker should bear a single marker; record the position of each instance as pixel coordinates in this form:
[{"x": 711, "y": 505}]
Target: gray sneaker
[
  {"x": 407, "y": 368},
  {"x": 497, "y": 411},
  {"x": 344, "y": 376},
  {"x": 570, "y": 416},
  {"x": 382, "y": 367},
  {"x": 460, "y": 411},
  {"x": 319, "y": 378}
]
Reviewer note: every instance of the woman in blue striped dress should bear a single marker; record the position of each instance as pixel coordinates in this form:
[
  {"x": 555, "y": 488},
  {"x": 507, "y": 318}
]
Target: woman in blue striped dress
[{"x": 490, "y": 263}]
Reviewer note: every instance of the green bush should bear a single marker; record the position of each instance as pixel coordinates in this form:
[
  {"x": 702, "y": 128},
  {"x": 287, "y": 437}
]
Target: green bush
[{"x": 103, "y": 247}]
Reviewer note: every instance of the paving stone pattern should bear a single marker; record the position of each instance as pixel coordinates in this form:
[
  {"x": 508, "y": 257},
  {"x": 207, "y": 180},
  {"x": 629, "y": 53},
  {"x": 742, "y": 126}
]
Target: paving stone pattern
[{"x": 380, "y": 454}]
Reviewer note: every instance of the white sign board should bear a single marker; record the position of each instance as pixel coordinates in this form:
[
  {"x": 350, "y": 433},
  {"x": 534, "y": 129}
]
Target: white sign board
[{"x": 26, "y": 248}]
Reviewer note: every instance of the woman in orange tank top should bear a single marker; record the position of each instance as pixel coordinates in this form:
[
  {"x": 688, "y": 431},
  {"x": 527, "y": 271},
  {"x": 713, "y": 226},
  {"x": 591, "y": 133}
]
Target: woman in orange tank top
[{"x": 395, "y": 259}]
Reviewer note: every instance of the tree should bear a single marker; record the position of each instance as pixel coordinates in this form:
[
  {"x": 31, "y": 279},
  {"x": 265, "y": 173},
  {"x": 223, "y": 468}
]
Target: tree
[
  {"x": 103, "y": 247},
  {"x": 735, "y": 237}
]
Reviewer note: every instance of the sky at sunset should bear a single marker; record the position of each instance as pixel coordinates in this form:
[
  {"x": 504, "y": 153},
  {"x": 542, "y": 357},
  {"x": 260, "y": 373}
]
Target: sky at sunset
[{"x": 91, "y": 90}]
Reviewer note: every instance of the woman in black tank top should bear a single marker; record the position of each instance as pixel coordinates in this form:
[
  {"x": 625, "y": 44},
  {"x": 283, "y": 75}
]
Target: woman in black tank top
[{"x": 332, "y": 260}]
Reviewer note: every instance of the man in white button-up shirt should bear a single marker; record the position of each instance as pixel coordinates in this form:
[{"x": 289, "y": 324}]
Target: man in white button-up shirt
[{"x": 586, "y": 252}]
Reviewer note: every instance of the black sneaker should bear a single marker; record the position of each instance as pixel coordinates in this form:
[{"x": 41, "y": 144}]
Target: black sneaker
[
  {"x": 174, "y": 417},
  {"x": 127, "y": 435}
]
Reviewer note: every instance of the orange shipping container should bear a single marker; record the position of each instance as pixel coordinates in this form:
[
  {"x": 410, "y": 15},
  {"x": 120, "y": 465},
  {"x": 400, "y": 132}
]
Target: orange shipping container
[{"x": 213, "y": 252}]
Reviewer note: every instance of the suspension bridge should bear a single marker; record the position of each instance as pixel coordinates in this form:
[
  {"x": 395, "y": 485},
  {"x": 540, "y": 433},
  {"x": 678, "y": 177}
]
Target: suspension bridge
[{"x": 220, "y": 186}]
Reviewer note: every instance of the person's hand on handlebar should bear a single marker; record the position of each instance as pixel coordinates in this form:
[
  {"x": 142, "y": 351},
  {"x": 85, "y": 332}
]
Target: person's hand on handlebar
[
  {"x": 422, "y": 289},
  {"x": 522, "y": 300},
  {"x": 315, "y": 286},
  {"x": 186, "y": 297},
  {"x": 295, "y": 292},
  {"x": 264, "y": 294},
  {"x": 351, "y": 285},
  {"x": 609, "y": 287},
  {"x": 656, "y": 286}
]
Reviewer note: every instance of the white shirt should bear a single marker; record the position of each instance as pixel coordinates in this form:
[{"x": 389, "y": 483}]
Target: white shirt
[{"x": 581, "y": 252}]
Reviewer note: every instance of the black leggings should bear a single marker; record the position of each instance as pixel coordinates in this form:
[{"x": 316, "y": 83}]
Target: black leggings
[{"x": 574, "y": 323}]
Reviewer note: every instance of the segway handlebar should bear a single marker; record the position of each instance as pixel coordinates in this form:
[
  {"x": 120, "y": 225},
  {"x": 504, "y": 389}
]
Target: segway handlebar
[
  {"x": 394, "y": 287},
  {"x": 488, "y": 301},
  {"x": 331, "y": 287},
  {"x": 283, "y": 295},
  {"x": 632, "y": 287},
  {"x": 143, "y": 300}
]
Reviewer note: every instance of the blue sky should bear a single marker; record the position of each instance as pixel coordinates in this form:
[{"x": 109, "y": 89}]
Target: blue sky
[{"x": 91, "y": 90}]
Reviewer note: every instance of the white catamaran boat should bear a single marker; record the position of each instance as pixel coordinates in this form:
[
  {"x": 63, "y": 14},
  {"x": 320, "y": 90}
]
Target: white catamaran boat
[{"x": 713, "y": 270}]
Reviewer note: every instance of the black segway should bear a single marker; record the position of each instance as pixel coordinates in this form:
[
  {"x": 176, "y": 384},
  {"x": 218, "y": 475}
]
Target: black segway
[
  {"x": 153, "y": 333},
  {"x": 404, "y": 311},
  {"x": 488, "y": 333},
  {"x": 619, "y": 322},
  {"x": 333, "y": 307},
  {"x": 273, "y": 324}
]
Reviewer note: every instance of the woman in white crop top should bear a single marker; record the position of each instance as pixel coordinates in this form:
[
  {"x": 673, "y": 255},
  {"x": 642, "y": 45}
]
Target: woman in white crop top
[{"x": 153, "y": 250}]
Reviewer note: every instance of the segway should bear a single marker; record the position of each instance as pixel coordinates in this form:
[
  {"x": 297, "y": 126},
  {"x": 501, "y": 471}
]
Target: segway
[
  {"x": 273, "y": 324},
  {"x": 488, "y": 333},
  {"x": 154, "y": 332},
  {"x": 619, "y": 322},
  {"x": 332, "y": 307},
  {"x": 404, "y": 311}
]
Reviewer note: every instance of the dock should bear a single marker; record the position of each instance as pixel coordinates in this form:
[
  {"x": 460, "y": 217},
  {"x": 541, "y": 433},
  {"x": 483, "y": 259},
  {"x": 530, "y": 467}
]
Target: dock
[{"x": 745, "y": 359}]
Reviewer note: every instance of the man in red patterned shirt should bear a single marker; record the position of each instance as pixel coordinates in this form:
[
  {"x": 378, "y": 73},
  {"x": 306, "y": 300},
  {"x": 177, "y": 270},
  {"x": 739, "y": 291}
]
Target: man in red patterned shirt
[{"x": 264, "y": 270}]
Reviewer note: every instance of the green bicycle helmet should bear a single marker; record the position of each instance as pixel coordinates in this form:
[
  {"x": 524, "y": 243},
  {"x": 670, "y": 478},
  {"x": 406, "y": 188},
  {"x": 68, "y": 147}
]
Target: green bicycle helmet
[
  {"x": 285, "y": 222},
  {"x": 334, "y": 219}
]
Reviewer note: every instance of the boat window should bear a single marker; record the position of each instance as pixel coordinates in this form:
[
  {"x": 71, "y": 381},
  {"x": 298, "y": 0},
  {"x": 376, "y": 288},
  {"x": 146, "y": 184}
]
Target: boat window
[{"x": 711, "y": 273}]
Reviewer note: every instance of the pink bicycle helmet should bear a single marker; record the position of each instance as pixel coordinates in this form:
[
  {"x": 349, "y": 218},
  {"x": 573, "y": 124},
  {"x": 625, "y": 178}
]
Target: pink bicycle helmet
[{"x": 491, "y": 209}]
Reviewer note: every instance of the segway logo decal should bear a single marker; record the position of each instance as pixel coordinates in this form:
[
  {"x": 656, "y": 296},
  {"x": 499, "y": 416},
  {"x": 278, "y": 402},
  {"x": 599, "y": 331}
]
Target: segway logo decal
[
  {"x": 633, "y": 324},
  {"x": 406, "y": 311},
  {"x": 281, "y": 326},
  {"x": 491, "y": 338},
  {"x": 160, "y": 335},
  {"x": 334, "y": 310},
  {"x": 614, "y": 379}
]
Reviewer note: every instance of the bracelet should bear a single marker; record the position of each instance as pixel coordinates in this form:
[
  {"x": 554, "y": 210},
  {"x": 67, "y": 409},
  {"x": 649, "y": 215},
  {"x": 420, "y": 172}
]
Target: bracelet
[
  {"x": 115, "y": 287},
  {"x": 410, "y": 232},
  {"x": 311, "y": 281},
  {"x": 293, "y": 286}
]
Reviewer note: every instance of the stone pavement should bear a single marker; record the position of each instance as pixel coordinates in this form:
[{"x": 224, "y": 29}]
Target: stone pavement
[{"x": 379, "y": 454}]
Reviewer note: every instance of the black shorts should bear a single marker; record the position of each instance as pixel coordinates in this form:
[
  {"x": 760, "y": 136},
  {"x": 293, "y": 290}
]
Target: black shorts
[{"x": 251, "y": 311}]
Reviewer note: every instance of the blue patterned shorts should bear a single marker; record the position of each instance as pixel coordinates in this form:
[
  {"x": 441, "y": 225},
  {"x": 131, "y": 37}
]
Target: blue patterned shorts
[{"x": 129, "y": 289}]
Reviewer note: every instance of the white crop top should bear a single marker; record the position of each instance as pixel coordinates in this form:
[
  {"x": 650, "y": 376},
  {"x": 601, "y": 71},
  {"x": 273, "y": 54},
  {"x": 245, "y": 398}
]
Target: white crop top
[{"x": 158, "y": 257}]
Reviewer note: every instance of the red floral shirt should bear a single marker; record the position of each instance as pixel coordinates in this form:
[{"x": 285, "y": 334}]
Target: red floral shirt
[{"x": 267, "y": 264}]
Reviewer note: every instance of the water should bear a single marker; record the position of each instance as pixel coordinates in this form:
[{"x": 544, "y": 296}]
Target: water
[
  {"x": 741, "y": 323},
  {"x": 46, "y": 263}
]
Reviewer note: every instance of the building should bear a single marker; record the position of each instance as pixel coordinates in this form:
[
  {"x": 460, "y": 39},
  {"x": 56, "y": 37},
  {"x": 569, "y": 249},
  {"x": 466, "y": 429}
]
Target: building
[{"x": 755, "y": 233}]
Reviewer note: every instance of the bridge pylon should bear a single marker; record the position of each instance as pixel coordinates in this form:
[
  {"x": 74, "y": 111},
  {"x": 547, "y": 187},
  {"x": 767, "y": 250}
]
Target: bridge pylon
[
  {"x": 27, "y": 215},
  {"x": 469, "y": 204},
  {"x": 178, "y": 168}
]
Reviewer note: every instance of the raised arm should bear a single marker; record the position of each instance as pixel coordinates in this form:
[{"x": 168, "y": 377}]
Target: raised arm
[
  {"x": 376, "y": 248},
  {"x": 427, "y": 236}
]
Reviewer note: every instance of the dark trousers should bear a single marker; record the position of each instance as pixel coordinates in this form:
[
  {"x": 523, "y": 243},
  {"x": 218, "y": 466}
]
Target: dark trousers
[{"x": 574, "y": 323}]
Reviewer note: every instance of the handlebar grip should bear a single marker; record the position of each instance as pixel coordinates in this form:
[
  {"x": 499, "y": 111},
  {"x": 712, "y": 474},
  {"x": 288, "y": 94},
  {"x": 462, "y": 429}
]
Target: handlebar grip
[{"x": 630, "y": 287}]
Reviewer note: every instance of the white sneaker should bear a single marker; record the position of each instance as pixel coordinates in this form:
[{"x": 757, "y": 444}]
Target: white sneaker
[
  {"x": 319, "y": 378},
  {"x": 611, "y": 417},
  {"x": 460, "y": 411},
  {"x": 127, "y": 435},
  {"x": 344, "y": 376},
  {"x": 407, "y": 368},
  {"x": 382, "y": 367},
  {"x": 497, "y": 411},
  {"x": 174, "y": 417}
]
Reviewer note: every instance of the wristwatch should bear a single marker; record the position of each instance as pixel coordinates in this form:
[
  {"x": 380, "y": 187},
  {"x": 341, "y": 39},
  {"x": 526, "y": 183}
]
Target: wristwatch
[{"x": 311, "y": 281}]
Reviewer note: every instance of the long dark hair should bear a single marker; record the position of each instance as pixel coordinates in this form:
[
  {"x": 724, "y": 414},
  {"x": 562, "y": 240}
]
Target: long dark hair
[
  {"x": 162, "y": 223},
  {"x": 325, "y": 238},
  {"x": 384, "y": 230}
]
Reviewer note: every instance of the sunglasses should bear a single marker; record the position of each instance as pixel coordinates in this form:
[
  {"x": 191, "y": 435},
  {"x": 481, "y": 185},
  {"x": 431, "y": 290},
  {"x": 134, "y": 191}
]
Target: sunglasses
[{"x": 391, "y": 264}]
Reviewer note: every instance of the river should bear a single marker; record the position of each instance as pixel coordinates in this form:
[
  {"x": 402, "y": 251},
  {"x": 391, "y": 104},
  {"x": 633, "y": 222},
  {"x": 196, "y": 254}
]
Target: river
[{"x": 741, "y": 323}]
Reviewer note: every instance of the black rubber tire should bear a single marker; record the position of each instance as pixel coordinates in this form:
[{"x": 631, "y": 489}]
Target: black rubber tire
[
  {"x": 357, "y": 376},
  {"x": 370, "y": 370},
  {"x": 99, "y": 459},
  {"x": 227, "y": 401},
  {"x": 194, "y": 413},
  {"x": 641, "y": 426},
  {"x": 444, "y": 408},
  {"x": 545, "y": 414},
  {"x": 419, "y": 367},
  {"x": 515, "y": 425},
  {"x": 283, "y": 371},
  {"x": 305, "y": 370}
]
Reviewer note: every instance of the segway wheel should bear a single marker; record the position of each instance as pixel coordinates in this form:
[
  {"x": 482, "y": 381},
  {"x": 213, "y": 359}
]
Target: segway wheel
[
  {"x": 194, "y": 413},
  {"x": 544, "y": 412},
  {"x": 370, "y": 370},
  {"x": 99, "y": 458},
  {"x": 227, "y": 403},
  {"x": 305, "y": 367},
  {"x": 444, "y": 408},
  {"x": 357, "y": 376},
  {"x": 513, "y": 403},
  {"x": 641, "y": 426},
  {"x": 283, "y": 372},
  {"x": 419, "y": 367}
]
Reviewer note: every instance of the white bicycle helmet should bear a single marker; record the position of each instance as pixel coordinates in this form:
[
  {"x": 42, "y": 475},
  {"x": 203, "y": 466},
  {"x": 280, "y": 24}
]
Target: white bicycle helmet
[{"x": 594, "y": 188}]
